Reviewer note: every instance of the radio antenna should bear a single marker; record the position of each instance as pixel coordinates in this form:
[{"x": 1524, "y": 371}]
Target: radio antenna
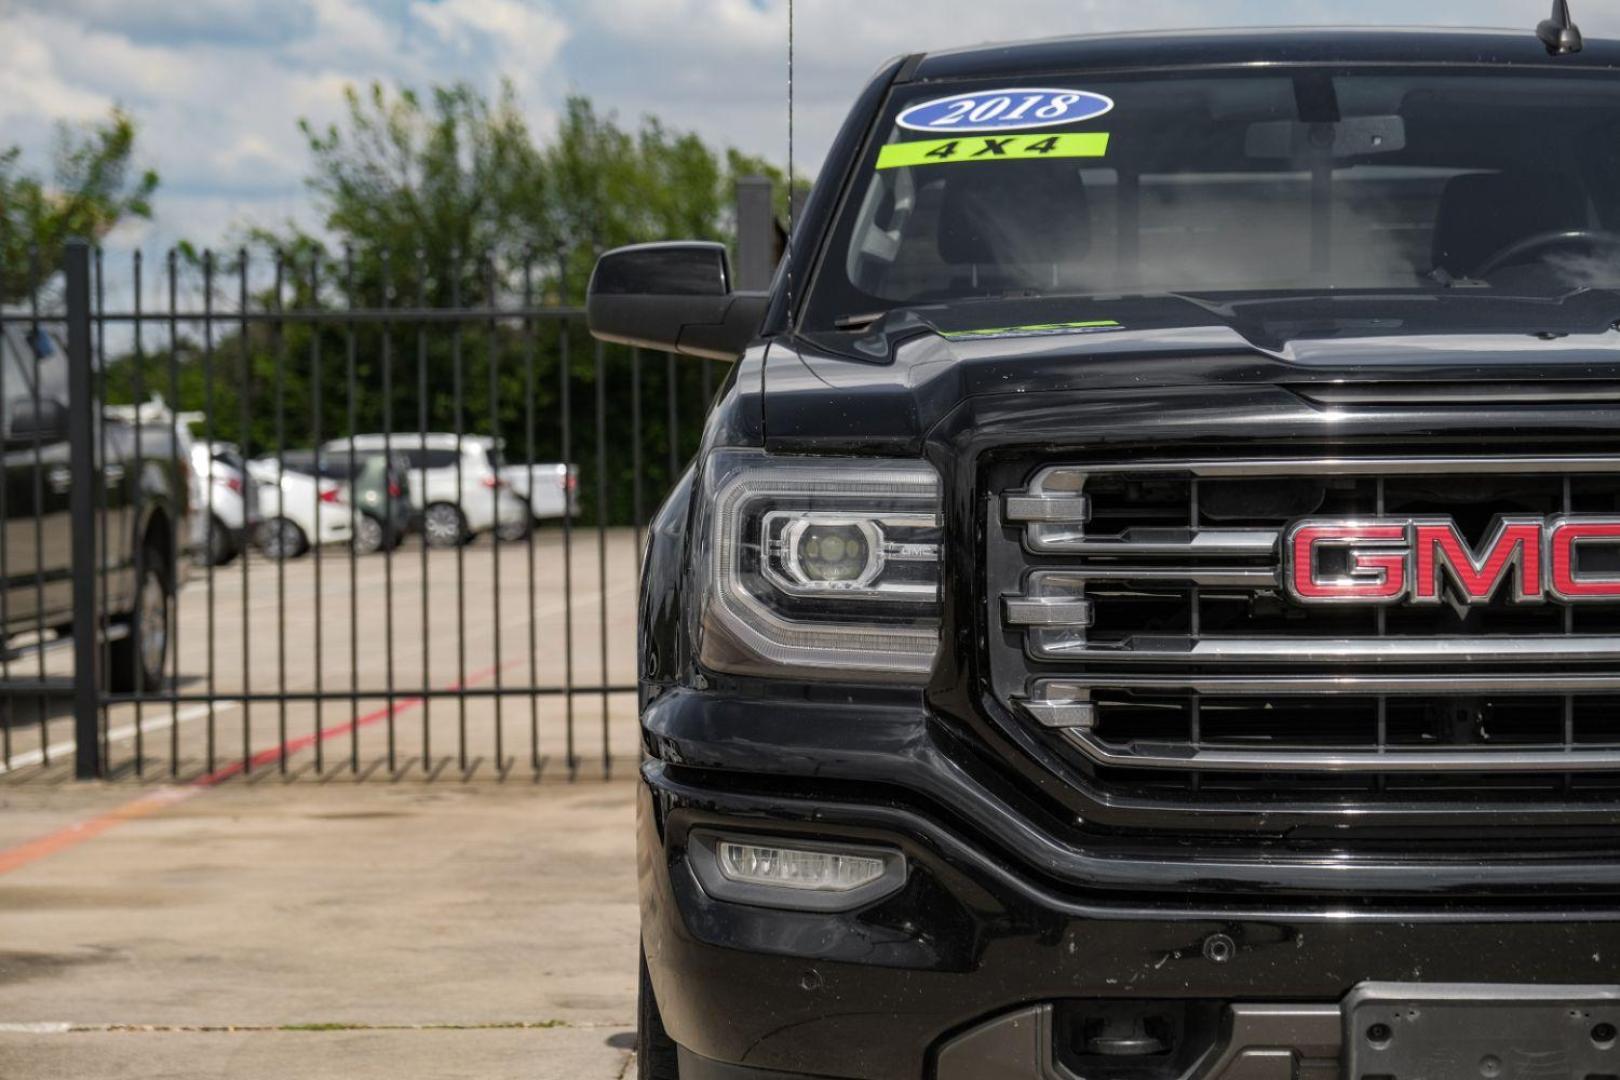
[
  {"x": 791, "y": 222},
  {"x": 1559, "y": 33}
]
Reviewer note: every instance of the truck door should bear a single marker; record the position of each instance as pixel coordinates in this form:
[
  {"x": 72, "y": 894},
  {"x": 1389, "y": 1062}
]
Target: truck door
[{"x": 38, "y": 530}]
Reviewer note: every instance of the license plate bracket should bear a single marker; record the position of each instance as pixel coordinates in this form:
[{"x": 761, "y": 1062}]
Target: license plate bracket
[{"x": 1431, "y": 1031}]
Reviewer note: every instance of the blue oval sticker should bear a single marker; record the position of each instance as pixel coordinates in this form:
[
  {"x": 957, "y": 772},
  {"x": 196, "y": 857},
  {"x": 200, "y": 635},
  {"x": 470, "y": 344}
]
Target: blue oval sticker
[{"x": 1005, "y": 110}]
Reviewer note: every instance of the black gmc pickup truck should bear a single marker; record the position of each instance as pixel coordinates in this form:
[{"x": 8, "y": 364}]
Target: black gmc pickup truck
[{"x": 1148, "y": 602}]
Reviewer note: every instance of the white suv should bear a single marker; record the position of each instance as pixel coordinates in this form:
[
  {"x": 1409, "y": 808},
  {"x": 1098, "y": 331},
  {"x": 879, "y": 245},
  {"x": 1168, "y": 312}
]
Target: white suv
[{"x": 455, "y": 483}]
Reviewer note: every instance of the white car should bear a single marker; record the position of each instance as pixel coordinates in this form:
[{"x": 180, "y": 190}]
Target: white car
[
  {"x": 552, "y": 491},
  {"x": 298, "y": 511},
  {"x": 456, "y": 486},
  {"x": 224, "y": 503}
]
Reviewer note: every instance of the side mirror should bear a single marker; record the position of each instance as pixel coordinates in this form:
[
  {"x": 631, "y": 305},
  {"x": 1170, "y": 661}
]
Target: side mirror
[
  {"x": 673, "y": 297},
  {"x": 45, "y": 420}
]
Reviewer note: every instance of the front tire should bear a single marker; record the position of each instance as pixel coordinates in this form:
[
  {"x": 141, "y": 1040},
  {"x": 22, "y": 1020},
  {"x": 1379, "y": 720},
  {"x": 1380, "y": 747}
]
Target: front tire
[
  {"x": 369, "y": 535},
  {"x": 513, "y": 531},
  {"x": 219, "y": 548},
  {"x": 137, "y": 661},
  {"x": 281, "y": 538},
  {"x": 656, "y": 1058},
  {"x": 444, "y": 526}
]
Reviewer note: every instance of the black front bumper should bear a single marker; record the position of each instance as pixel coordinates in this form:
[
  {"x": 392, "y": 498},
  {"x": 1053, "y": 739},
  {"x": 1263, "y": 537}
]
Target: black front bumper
[{"x": 983, "y": 932}]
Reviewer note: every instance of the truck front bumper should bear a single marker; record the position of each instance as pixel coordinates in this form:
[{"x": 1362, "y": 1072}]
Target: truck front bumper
[{"x": 978, "y": 966}]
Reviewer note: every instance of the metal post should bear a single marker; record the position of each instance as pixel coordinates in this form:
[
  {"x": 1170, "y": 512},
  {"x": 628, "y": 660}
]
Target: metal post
[
  {"x": 82, "y": 509},
  {"x": 756, "y": 234}
]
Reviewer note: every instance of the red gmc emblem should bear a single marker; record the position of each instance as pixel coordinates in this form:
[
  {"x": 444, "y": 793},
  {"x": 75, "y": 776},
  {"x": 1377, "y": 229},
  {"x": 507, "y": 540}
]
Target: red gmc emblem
[{"x": 1428, "y": 561}]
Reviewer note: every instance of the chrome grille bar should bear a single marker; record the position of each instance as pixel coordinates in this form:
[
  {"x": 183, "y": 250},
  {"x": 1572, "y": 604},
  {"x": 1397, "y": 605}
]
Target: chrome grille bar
[
  {"x": 1294, "y": 651},
  {"x": 1246, "y": 468},
  {"x": 1340, "y": 685},
  {"x": 1185, "y": 757},
  {"x": 1182, "y": 543}
]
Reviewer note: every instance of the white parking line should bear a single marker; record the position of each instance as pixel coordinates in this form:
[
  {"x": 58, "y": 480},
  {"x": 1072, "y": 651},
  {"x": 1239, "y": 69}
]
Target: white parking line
[{"x": 118, "y": 734}]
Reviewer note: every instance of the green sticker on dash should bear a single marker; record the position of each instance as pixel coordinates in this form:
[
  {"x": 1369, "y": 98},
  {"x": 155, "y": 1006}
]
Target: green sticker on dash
[
  {"x": 1090, "y": 144},
  {"x": 1099, "y": 326}
]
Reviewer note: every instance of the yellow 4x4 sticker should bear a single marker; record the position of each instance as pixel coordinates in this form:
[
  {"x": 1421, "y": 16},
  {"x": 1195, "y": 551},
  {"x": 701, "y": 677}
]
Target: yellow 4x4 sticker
[{"x": 1089, "y": 144}]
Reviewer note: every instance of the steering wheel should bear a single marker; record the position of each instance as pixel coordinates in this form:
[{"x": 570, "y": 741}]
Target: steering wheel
[{"x": 1534, "y": 246}]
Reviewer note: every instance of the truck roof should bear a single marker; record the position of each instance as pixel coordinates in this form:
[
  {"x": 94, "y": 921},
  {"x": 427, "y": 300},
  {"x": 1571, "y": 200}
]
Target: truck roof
[{"x": 1250, "y": 46}]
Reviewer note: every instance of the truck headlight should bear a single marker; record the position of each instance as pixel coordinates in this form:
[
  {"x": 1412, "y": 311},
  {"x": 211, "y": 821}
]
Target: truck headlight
[{"x": 819, "y": 567}]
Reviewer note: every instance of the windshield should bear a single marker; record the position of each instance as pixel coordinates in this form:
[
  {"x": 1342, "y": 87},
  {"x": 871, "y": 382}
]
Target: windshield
[{"x": 1278, "y": 183}]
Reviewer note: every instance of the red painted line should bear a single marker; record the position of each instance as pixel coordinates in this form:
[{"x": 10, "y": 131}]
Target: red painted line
[{"x": 31, "y": 851}]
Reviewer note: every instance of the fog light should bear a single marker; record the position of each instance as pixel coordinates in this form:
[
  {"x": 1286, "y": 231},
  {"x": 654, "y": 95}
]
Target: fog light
[
  {"x": 803, "y": 875},
  {"x": 786, "y": 868}
]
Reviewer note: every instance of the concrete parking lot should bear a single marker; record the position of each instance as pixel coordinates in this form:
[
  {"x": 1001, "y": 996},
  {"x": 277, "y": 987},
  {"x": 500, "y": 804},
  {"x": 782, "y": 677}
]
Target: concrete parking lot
[
  {"x": 319, "y": 930},
  {"x": 433, "y": 620}
]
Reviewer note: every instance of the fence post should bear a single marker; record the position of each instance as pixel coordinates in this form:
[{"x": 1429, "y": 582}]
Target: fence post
[
  {"x": 82, "y": 511},
  {"x": 756, "y": 234}
]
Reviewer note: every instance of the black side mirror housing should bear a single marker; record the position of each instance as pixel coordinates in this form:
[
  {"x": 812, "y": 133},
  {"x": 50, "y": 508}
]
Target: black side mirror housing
[
  {"x": 45, "y": 420},
  {"x": 673, "y": 297}
]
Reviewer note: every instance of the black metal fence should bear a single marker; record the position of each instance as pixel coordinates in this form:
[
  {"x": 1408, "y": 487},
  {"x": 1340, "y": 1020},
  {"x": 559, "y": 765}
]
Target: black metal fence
[{"x": 324, "y": 516}]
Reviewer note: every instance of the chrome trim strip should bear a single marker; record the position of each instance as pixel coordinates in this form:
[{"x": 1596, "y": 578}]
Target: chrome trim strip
[
  {"x": 1584, "y": 464},
  {"x": 1065, "y": 508},
  {"x": 1202, "y": 543},
  {"x": 1245, "y": 577},
  {"x": 1063, "y": 611},
  {"x": 1061, "y": 714},
  {"x": 1337, "y": 685},
  {"x": 1303, "y": 650},
  {"x": 1184, "y": 757}
]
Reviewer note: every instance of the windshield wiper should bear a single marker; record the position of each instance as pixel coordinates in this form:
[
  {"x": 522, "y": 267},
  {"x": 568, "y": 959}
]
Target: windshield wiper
[{"x": 854, "y": 324}]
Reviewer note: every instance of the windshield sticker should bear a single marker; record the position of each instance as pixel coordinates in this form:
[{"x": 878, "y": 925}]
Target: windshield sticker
[
  {"x": 1005, "y": 110},
  {"x": 1101, "y": 326},
  {"x": 1091, "y": 144}
]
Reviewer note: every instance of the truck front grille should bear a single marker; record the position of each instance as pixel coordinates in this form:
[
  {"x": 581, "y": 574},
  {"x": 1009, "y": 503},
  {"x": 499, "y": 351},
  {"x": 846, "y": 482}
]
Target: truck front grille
[{"x": 1141, "y": 620}]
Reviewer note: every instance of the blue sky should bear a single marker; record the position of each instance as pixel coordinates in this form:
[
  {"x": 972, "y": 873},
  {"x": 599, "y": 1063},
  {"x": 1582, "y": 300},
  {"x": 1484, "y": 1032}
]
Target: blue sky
[{"x": 218, "y": 85}]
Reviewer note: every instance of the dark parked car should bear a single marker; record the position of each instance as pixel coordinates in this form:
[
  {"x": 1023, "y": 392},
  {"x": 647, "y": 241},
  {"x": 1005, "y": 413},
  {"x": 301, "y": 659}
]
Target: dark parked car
[
  {"x": 1148, "y": 603},
  {"x": 379, "y": 492},
  {"x": 143, "y": 531}
]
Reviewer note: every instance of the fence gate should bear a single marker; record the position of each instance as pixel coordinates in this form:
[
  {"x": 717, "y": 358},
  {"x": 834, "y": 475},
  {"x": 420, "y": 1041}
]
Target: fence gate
[{"x": 357, "y": 514}]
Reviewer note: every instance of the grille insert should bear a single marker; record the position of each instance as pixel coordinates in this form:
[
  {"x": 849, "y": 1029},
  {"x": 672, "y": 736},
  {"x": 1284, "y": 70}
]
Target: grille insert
[{"x": 1193, "y": 669}]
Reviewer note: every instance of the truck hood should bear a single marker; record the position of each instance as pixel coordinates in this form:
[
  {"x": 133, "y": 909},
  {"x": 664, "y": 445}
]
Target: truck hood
[{"x": 888, "y": 386}]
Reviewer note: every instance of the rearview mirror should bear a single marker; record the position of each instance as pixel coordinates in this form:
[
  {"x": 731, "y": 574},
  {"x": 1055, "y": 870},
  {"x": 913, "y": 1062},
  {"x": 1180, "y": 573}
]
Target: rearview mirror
[
  {"x": 673, "y": 297},
  {"x": 1356, "y": 136}
]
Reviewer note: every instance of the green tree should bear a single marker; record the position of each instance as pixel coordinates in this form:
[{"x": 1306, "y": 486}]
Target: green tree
[
  {"x": 94, "y": 185},
  {"x": 448, "y": 199}
]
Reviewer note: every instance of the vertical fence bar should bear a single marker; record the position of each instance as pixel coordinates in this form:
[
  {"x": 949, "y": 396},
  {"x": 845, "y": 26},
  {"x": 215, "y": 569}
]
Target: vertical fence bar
[
  {"x": 388, "y": 551},
  {"x": 497, "y": 490},
  {"x": 354, "y": 581},
  {"x": 244, "y": 348},
  {"x": 673, "y": 404},
  {"x": 638, "y": 509},
  {"x": 565, "y": 407},
  {"x": 461, "y": 502},
  {"x": 104, "y": 617},
  {"x": 178, "y": 547},
  {"x": 600, "y": 371},
  {"x": 208, "y": 488},
  {"x": 315, "y": 376},
  {"x": 278, "y": 330},
  {"x": 530, "y": 349},
  {"x": 138, "y": 494},
  {"x": 41, "y": 702},
  {"x": 87, "y": 764},
  {"x": 422, "y": 417}
]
